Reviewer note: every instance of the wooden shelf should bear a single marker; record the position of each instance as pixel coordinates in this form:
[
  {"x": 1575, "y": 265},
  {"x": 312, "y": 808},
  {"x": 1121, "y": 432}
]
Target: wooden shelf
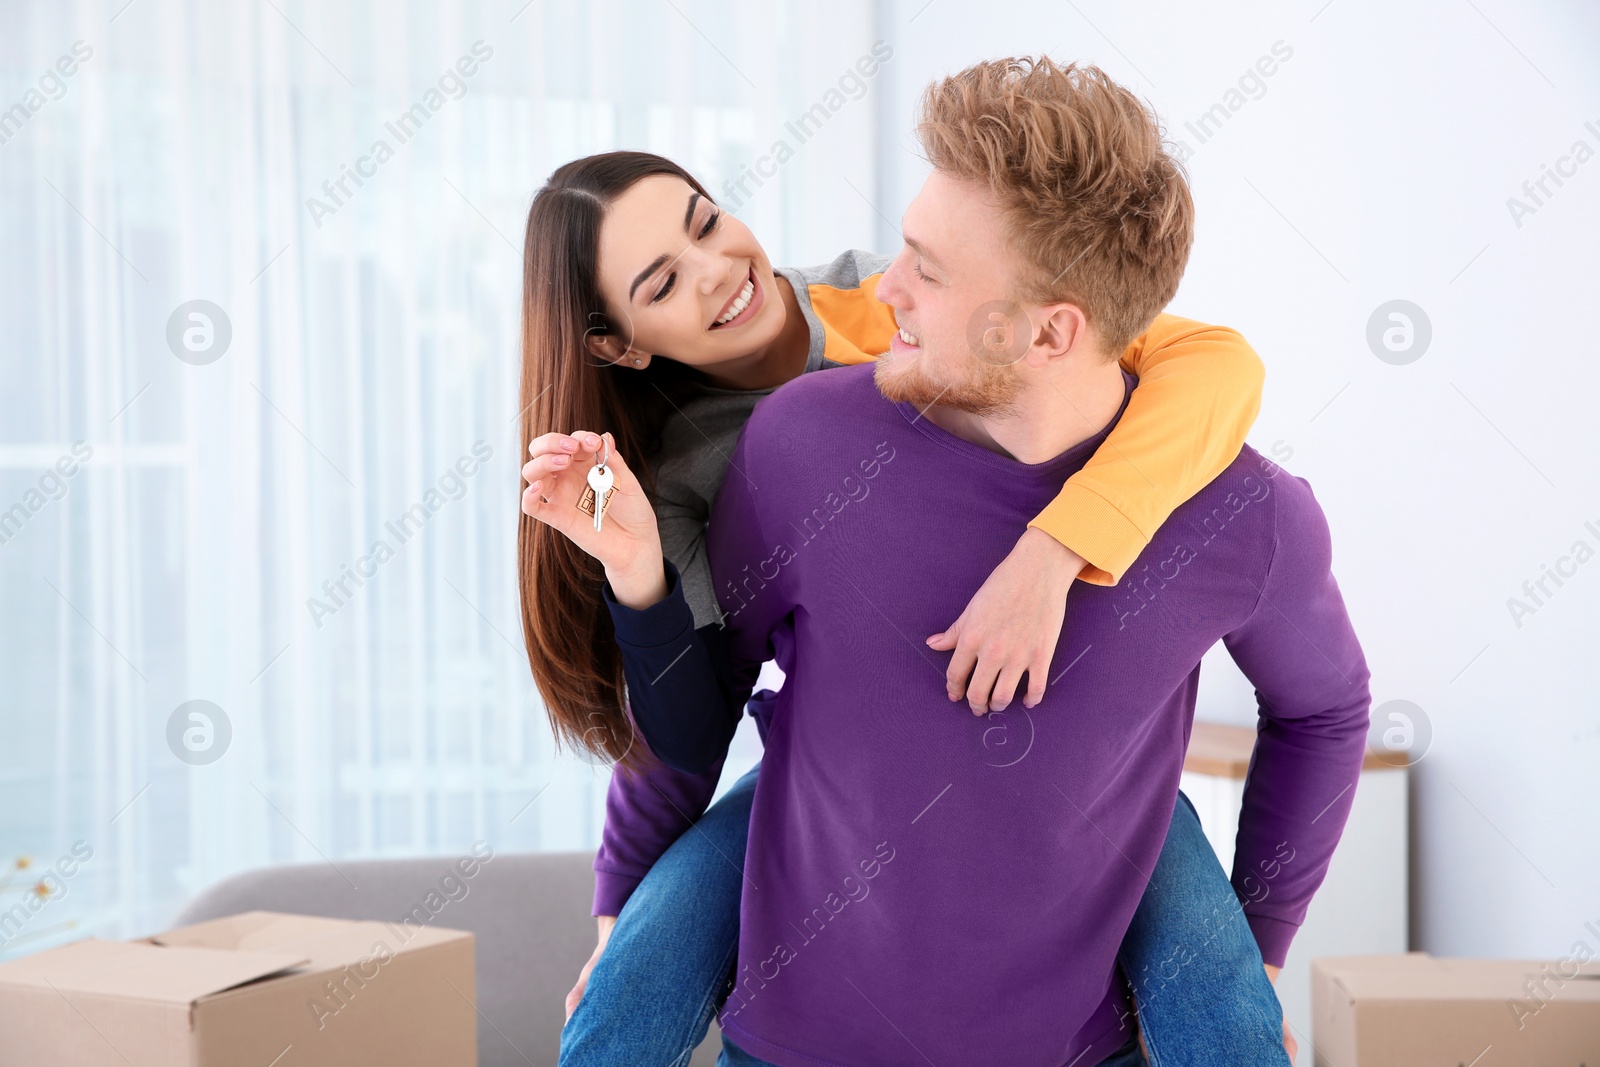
[{"x": 1223, "y": 751}]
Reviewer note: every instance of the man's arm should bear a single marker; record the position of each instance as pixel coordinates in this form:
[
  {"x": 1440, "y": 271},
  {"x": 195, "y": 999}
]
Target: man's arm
[
  {"x": 1298, "y": 648},
  {"x": 647, "y": 809}
]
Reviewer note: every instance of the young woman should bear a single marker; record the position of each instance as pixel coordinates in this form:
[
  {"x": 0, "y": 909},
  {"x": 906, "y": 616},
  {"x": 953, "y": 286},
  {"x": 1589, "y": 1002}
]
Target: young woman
[{"x": 652, "y": 323}]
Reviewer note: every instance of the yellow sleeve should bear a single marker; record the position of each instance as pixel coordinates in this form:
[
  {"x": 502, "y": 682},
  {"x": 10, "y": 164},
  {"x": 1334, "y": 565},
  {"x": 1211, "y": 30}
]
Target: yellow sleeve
[
  {"x": 856, "y": 328},
  {"x": 1199, "y": 393}
]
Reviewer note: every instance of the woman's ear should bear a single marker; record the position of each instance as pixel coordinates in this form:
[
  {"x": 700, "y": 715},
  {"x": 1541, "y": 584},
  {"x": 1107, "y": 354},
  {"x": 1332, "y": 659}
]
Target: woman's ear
[{"x": 609, "y": 348}]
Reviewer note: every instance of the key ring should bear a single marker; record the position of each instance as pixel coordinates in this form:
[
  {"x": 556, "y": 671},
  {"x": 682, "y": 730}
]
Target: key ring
[{"x": 601, "y": 485}]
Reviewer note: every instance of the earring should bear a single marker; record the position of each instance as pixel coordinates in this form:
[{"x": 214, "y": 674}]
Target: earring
[{"x": 637, "y": 362}]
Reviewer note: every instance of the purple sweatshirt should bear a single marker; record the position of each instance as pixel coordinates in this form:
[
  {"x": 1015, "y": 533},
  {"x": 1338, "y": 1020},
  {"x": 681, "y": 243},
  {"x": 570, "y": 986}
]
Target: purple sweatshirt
[{"x": 925, "y": 884}]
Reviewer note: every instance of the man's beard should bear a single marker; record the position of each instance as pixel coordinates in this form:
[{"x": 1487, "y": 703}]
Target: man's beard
[{"x": 985, "y": 389}]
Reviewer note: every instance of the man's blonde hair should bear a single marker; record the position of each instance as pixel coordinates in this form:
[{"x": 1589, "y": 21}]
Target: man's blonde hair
[{"x": 1097, "y": 208}]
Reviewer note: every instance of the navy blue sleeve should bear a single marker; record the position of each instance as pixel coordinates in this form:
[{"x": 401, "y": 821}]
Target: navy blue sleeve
[{"x": 684, "y": 693}]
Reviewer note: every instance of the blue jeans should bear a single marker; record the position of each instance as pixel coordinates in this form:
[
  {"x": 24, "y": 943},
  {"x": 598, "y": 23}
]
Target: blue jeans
[{"x": 1189, "y": 957}]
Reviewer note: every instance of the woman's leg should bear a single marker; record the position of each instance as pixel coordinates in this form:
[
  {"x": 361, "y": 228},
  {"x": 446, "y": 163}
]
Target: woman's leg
[
  {"x": 665, "y": 969},
  {"x": 1202, "y": 994}
]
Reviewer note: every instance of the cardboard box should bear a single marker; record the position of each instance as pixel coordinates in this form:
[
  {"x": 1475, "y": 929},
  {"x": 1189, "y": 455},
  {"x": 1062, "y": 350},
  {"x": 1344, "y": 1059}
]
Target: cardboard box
[
  {"x": 255, "y": 990},
  {"x": 1415, "y": 1010}
]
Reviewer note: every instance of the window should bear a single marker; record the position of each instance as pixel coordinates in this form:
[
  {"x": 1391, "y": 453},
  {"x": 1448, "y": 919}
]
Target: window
[{"x": 260, "y": 289}]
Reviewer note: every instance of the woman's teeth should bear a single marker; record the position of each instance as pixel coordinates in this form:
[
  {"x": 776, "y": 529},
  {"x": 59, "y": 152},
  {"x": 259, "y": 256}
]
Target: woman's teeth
[
  {"x": 908, "y": 338},
  {"x": 740, "y": 302}
]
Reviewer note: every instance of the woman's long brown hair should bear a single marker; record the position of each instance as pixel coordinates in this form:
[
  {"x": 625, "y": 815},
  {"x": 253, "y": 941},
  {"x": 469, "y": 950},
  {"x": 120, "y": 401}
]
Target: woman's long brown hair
[{"x": 565, "y": 387}]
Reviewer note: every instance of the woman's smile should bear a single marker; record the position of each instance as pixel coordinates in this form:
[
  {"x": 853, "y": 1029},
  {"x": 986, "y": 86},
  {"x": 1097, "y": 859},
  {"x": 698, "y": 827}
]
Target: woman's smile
[{"x": 743, "y": 305}]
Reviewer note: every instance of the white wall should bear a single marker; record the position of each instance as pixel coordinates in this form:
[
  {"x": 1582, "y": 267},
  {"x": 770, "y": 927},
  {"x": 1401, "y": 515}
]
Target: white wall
[{"x": 1375, "y": 165}]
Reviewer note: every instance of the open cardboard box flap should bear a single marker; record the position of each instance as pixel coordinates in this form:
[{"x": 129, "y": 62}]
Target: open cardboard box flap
[
  {"x": 141, "y": 970},
  {"x": 323, "y": 944},
  {"x": 249, "y": 931}
]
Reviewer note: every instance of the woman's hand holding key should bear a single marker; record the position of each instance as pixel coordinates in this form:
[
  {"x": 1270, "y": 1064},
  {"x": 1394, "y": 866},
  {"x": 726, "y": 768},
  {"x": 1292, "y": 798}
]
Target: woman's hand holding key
[{"x": 620, "y": 530}]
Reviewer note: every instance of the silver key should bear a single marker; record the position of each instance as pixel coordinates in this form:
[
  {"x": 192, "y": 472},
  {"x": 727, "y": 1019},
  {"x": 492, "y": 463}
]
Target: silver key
[{"x": 600, "y": 482}]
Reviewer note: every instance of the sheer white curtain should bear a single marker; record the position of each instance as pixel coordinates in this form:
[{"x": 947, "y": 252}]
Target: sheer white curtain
[{"x": 196, "y": 493}]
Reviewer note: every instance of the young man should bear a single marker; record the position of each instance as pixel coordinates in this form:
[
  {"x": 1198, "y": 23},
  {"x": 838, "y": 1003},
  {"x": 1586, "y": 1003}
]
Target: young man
[{"x": 917, "y": 889}]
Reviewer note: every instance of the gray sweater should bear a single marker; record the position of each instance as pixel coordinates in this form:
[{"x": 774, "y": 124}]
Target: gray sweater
[{"x": 697, "y": 440}]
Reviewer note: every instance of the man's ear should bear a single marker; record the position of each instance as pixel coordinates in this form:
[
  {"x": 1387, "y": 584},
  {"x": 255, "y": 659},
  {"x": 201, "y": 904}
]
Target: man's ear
[
  {"x": 1060, "y": 329},
  {"x": 609, "y": 348}
]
